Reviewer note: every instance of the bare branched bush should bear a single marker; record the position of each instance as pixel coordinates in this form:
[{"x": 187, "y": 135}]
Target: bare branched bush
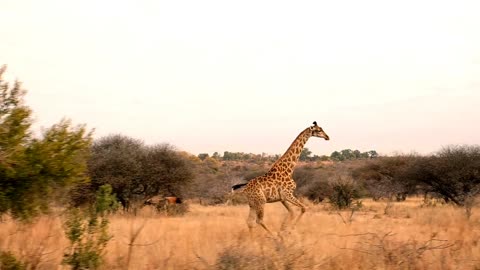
[
  {"x": 132, "y": 242},
  {"x": 348, "y": 218},
  {"x": 387, "y": 253},
  {"x": 236, "y": 257},
  {"x": 269, "y": 255},
  {"x": 344, "y": 192},
  {"x": 471, "y": 200},
  {"x": 432, "y": 201}
]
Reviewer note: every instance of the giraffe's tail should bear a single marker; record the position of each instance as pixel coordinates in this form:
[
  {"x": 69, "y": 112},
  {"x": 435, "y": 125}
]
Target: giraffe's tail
[{"x": 234, "y": 187}]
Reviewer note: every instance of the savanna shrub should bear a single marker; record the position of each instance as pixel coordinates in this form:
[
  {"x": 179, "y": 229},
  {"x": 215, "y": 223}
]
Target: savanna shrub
[
  {"x": 317, "y": 191},
  {"x": 175, "y": 210},
  {"x": 9, "y": 262},
  {"x": 453, "y": 173},
  {"x": 270, "y": 255},
  {"x": 344, "y": 192},
  {"x": 87, "y": 231}
]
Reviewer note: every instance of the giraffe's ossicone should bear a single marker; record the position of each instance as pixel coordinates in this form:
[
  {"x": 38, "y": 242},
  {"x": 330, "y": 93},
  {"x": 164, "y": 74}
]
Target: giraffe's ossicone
[{"x": 277, "y": 185}]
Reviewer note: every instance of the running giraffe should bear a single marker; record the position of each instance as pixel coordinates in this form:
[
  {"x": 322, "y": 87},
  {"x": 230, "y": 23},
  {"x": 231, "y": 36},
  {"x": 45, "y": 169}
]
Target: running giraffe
[{"x": 277, "y": 184}]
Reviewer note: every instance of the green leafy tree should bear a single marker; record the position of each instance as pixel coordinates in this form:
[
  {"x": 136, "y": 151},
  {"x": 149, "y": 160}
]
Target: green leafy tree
[
  {"x": 33, "y": 170},
  {"x": 229, "y": 156},
  {"x": 203, "y": 156},
  {"x": 372, "y": 154},
  {"x": 364, "y": 155},
  {"x": 357, "y": 154},
  {"x": 337, "y": 156},
  {"x": 216, "y": 155},
  {"x": 348, "y": 154},
  {"x": 305, "y": 155}
]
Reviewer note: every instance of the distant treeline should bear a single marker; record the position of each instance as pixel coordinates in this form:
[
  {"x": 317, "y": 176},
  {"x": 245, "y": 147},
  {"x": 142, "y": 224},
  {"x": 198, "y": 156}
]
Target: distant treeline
[{"x": 306, "y": 155}]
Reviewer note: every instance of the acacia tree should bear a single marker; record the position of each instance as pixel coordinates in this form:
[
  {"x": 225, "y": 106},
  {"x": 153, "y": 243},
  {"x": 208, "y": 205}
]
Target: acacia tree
[
  {"x": 115, "y": 160},
  {"x": 453, "y": 173},
  {"x": 33, "y": 169},
  {"x": 386, "y": 177},
  {"x": 164, "y": 171},
  {"x": 135, "y": 171}
]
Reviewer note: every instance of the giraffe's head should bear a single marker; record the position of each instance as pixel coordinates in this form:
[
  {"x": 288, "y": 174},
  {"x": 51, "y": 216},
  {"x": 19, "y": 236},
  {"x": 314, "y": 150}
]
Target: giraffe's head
[{"x": 318, "y": 131}]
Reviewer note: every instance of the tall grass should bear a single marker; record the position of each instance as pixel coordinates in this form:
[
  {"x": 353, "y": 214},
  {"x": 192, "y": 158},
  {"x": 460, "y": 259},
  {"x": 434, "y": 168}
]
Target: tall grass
[{"x": 407, "y": 236}]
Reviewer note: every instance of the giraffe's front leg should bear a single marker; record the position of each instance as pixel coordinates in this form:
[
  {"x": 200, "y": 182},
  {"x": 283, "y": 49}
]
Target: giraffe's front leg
[
  {"x": 251, "y": 219},
  {"x": 288, "y": 220}
]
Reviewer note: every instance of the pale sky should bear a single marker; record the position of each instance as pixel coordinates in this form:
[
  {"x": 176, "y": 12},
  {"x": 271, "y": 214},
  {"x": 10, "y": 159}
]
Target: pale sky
[{"x": 248, "y": 76}]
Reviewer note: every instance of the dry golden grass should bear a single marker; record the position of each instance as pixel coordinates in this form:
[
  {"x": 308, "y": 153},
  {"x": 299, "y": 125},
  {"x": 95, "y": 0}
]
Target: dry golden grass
[{"x": 380, "y": 236}]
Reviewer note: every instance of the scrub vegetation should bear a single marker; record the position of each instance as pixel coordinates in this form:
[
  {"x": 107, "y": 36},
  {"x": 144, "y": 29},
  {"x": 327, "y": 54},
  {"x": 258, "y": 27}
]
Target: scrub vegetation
[{"x": 68, "y": 201}]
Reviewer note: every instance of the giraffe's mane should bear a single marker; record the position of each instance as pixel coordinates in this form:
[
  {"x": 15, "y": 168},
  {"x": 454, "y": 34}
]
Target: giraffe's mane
[{"x": 291, "y": 146}]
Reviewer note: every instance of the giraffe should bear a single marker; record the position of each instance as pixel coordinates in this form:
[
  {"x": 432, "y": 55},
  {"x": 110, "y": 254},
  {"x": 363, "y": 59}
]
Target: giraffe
[{"x": 277, "y": 185}]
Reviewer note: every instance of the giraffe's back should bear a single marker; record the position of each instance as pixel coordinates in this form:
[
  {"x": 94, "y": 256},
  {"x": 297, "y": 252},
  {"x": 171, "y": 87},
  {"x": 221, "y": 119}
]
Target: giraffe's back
[{"x": 268, "y": 190}]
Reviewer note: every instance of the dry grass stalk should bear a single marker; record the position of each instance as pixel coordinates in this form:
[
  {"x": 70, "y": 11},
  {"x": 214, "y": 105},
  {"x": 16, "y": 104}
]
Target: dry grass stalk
[{"x": 213, "y": 237}]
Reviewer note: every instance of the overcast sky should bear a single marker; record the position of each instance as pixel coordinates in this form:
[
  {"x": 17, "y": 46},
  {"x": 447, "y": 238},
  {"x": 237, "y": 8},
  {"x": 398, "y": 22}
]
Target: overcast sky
[{"x": 205, "y": 76}]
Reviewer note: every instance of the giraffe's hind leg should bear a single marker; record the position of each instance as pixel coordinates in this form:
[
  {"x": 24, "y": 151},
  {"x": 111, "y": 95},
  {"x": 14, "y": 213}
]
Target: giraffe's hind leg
[
  {"x": 255, "y": 216},
  {"x": 260, "y": 211},
  {"x": 291, "y": 199}
]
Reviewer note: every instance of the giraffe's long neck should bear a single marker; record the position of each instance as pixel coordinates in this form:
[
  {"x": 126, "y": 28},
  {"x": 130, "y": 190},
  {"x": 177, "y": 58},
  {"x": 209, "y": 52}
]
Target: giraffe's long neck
[{"x": 287, "y": 162}]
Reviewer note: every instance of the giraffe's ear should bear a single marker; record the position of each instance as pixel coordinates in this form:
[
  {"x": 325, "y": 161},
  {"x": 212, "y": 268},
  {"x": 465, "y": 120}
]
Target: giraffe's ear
[{"x": 315, "y": 123}]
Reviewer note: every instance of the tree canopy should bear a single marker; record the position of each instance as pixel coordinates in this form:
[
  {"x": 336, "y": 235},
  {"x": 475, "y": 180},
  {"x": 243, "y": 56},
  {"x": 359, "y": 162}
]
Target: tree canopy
[
  {"x": 33, "y": 169},
  {"x": 136, "y": 171},
  {"x": 349, "y": 154},
  {"x": 453, "y": 173}
]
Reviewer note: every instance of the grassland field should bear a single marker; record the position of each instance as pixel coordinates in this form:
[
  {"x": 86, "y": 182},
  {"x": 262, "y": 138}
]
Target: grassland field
[{"x": 381, "y": 235}]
